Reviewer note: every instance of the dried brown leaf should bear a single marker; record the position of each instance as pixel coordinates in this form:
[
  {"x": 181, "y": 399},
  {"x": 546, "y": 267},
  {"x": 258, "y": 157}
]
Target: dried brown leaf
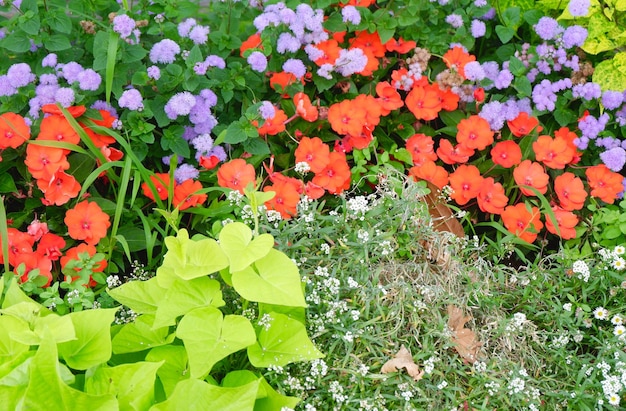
[
  {"x": 442, "y": 216},
  {"x": 403, "y": 359},
  {"x": 465, "y": 340}
]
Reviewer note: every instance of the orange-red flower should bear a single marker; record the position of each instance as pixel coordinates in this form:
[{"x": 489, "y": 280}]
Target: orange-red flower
[
  {"x": 161, "y": 182},
  {"x": 431, "y": 172},
  {"x": 19, "y": 243},
  {"x": 345, "y": 118},
  {"x": 388, "y": 97},
  {"x": 506, "y": 153},
  {"x": 252, "y": 42},
  {"x": 313, "y": 191},
  {"x": 456, "y": 58},
  {"x": 531, "y": 174},
  {"x": 403, "y": 81},
  {"x": 448, "y": 98},
  {"x": 554, "y": 153},
  {"x": 331, "y": 51},
  {"x": 209, "y": 163},
  {"x": 274, "y": 125},
  {"x": 359, "y": 3},
  {"x": 523, "y": 124},
  {"x": 13, "y": 130},
  {"x": 424, "y": 101},
  {"x": 280, "y": 81},
  {"x": 400, "y": 45},
  {"x": 474, "y": 132},
  {"x": 53, "y": 108},
  {"x": 286, "y": 199},
  {"x": 314, "y": 152},
  {"x": 491, "y": 197},
  {"x": 57, "y": 128},
  {"x": 304, "y": 108},
  {"x": 570, "y": 191},
  {"x": 523, "y": 221},
  {"x": 86, "y": 221},
  {"x": 421, "y": 148},
  {"x": 466, "y": 183},
  {"x": 566, "y": 223},
  {"x": 336, "y": 176},
  {"x": 236, "y": 175},
  {"x": 100, "y": 140},
  {"x": 605, "y": 184},
  {"x": 369, "y": 105},
  {"x": 569, "y": 136},
  {"x": 59, "y": 189},
  {"x": 50, "y": 245},
  {"x": 453, "y": 155},
  {"x": 33, "y": 261},
  {"x": 43, "y": 162},
  {"x": 367, "y": 41},
  {"x": 184, "y": 196},
  {"x": 359, "y": 141}
]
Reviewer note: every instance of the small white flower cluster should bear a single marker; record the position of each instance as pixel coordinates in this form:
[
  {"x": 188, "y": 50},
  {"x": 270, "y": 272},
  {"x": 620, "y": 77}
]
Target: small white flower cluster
[
  {"x": 560, "y": 341},
  {"x": 113, "y": 281},
  {"x": 325, "y": 248},
  {"x": 480, "y": 367},
  {"x": 613, "y": 258},
  {"x": 73, "y": 297},
  {"x": 273, "y": 216},
  {"x": 305, "y": 214},
  {"x": 363, "y": 236},
  {"x": 386, "y": 248},
  {"x": 581, "y": 269},
  {"x": 265, "y": 321},
  {"x": 235, "y": 198},
  {"x": 336, "y": 391},
  {"x": 405, "y": 391},
  {"x": 429, "y": 364},
  {"x": 492, "y": 388},
  {"x": 302, "y": 167},
  {"x": 125, "y": 315},
  {"x": 517, "y": 322}
]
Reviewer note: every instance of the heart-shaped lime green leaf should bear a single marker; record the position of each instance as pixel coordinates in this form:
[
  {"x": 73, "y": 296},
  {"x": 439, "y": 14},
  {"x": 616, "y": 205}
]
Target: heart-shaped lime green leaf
[
  {"x": 282, "y": 342},
  {"x": 10, "y": 348},
  {"x": 195, "y": 395},
  {"x": 273, "y": 279},
  {"x": 237, "y": 243},
  {"x": 183, "y": 296},
  {"x": 139, "y": 336},
  {"x": 47, "y": 391},
  {"x": 39, "y": 320},
  {"x": 174, "y": 366},
  {"x": 209, "y": 337},
  {"x": 92, "y": 345},
  {"x": 132, "y": 384},
  {"x": 142, "y": 297},
  {"x": 270, "y": 400}
]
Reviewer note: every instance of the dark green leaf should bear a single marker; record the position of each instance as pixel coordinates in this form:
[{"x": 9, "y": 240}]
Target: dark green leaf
[
  {"x": 256, "y": 146},
  {"x": 7, "y": 185},
  {"x": 16, "y": 42},
  {"x": 505, "y": 34}
]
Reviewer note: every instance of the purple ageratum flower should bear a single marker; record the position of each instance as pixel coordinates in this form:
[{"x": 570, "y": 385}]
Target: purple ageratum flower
[
  {"x": 154, "y": 72},
  {"x": 454, "y": 20},
  {"x": 474, "y": 71},
  {"x": 209, "y": 97},
  {"x": 215, "y": 61},
  {"x": 295, "y": 67},
  {"x": 325, "y": 70},
  {"x": 64, "y": 96},
  {"x": 189, "y": 134},
  {"x": 543, "y": 96},
  {"x": 313, "y": 52},
  {"x": 185, "y": 172},
  {"x": 180, "y": 104},
  {"x": 89, "y": 80},
  {"x": 199, "y": 34},
  {"x": 267, "y": 110},
  {"x": 6, "y": 88},
  {"x": 350, "y": 14},
  {"x": 578, "y": 8},
  {"x": 70, "y": 71},
  {"x": 287, "y": 42},
  {"x": 504, "y": 79},
  {"x": 199, "y": 111},
  {"x": 202, "y": 143},
  {"x": 218, "y": 151},
  {"x": 49, "y": 61},
  {"x": 206, "y": 126},
  {"x": 164, "y": 51},
  {"x": 19, "y": 75},
  {"x": 614, "y": 159},
  {"x": 510, "y": 110},
  {"x": 480, "y": 3},
  {"x": 547, "y": 28},
  {"x": 612, "y": 99},
  {"x": 124, "y": 25},
  {"x": 492, "y": 112},
  {"x": 489, "y": 14},
  {"x": 574, "y": 36},
  {"x": 350, "y": 61},
  {"x": 591, "y": 126},
  {"x": 587, "y": 91},
  {"x": 48, "y": 79},
  {"x": 103, "y": 105},
  {"x": 257, "y": 61},
  {"x": 131, "y": 99},
  {"x": 200, "y": 68},
  {"x": 478, "y": 28},
  {"x": 184, "y": 28}
]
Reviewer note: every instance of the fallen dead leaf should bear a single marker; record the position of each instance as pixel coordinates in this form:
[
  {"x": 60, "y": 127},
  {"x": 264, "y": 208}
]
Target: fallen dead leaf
[
  {"x": 403, "y": 359},
  {"x": 465, "y": 340},
  {"x": 442, "y": 216}
]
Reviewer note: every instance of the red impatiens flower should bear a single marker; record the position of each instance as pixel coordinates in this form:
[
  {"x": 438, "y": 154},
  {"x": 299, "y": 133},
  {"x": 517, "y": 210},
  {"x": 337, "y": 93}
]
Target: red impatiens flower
[
  {"x": 252, "y": 42},
  {"x": 431, "y": 172},
  {"x": 50, "y": 245},
  {"x": 86, "y": 221},
  {"x": 184, "y": 196},
  {"x": 388, "y": 97},
  {"x": 304, "y": 108},
  {"x": 13, "y": 130},
  {"x": 522, "y": 125},
  {"x": 421, "y": 148},
  {"x": 466, "y": 183},
  {"x": 570, "y": 191},
  {"x": 286, "y": 199},
  {"x": 346, "y": 118},
  {"x": 605, "y": 184},
  {"x": 32, "y": 261},
  {"x": 566, "y": 223},
  {"x": 424, "y": 101},
  {"x": 59, "y": 189},
  {"x": 553, "y": 152},
  {"x": 491, "y": 197},
  {"x": 43, "y": 162},
  {"x": 314, "y": 152},
  {"x": 161, "y": 182},
  {"x": 523, "y": 221},
  {"x": 400, "y": 45},
  {"x": 19, "y": 243},
  {"x": 474, "y": 132},
  {"x": 506, "y": 153},
  {"x": 57, "y": 128},
  {"x": 456, "y": 58},
  {"x": 530, "y": 174},
  {"x": 236, "y": 175},
  {"x": 336, "y": 176},
  {"x": 458, "y": 154},
  {"x": 274, "y": 125}
]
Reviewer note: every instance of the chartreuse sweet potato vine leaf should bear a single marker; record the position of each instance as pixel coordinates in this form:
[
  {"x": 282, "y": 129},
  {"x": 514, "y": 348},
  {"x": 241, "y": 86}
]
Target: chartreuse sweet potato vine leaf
[
  {"x": 267, "y": 398},
  {"x": 183, "y": 296},
  {"x": 139, "y": 335},
  {"x": 280, "y": 341},
  {"x": 209, "y": 336},
  {"x": 132, "y": 384},
  {"x": 142, "y": 297},
  {"x": 47, "y": 391},
  {"x": 196, "y": 395},
  {"x": 39, "y": 319},
  {"x": 237, "y": 243},
  {"x": 191, "y": 259},
  {"x": 92, "y": 345},
  {"x": 10, "y": 348},
  {"x": 273, "y": 279},
  {"x": 174, "y": 366}
]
